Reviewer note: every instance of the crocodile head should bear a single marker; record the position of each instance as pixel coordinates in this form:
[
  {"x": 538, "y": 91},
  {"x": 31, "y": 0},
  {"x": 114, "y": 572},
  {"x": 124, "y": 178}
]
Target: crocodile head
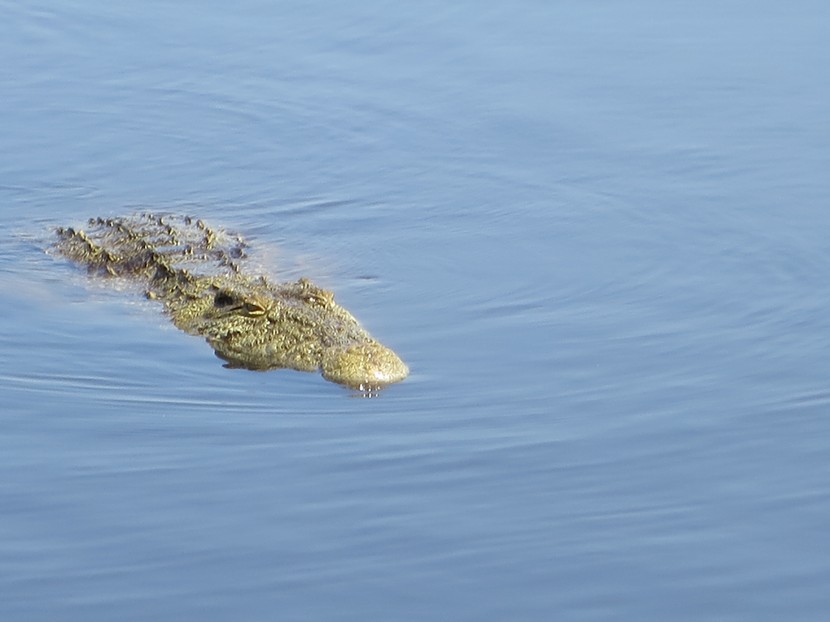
[{"x": 258, "y": 325}]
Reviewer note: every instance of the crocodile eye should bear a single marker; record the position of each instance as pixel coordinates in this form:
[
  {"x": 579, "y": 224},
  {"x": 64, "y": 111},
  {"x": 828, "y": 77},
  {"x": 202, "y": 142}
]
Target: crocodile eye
[
  {"x": 320, "y": 298},
  {"x": 223, "y": 299},
  {"x": 253, "y": 309}
]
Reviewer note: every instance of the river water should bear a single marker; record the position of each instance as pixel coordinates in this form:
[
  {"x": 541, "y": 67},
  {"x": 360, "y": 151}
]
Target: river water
[{"x": 596, "y": 231}]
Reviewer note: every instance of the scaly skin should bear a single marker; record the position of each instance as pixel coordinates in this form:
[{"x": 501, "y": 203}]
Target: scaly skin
[{"x": 249, "y": 321}]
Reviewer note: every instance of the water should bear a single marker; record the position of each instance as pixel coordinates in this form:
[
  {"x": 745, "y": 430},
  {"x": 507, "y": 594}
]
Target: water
[{"x": 595, "y": 231}]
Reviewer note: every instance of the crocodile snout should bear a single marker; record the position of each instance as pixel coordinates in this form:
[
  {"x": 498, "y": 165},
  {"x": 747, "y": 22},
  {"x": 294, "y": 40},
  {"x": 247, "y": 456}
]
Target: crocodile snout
[{"x": 363, "y": 366}]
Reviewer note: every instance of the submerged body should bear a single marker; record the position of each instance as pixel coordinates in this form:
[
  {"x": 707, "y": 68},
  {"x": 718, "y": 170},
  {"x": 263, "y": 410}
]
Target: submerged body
[{"x": 195, "y": 271}]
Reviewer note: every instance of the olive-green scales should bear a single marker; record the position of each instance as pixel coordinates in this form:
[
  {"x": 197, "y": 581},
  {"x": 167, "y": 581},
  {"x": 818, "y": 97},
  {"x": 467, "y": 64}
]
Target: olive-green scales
[{"x": 196, "y": 272}]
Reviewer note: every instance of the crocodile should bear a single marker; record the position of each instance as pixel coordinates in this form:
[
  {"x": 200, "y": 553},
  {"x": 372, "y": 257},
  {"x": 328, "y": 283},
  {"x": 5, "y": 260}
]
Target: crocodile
[{"x": 197, "y": 273}]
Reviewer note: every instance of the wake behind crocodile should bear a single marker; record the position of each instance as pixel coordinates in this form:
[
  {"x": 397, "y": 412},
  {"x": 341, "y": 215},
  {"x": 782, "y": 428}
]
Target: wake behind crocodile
[{"x": 198, "y": 274}]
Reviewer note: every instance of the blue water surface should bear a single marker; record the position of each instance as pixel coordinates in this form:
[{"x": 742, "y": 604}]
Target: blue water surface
[{"x": 596, "y": 231}]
